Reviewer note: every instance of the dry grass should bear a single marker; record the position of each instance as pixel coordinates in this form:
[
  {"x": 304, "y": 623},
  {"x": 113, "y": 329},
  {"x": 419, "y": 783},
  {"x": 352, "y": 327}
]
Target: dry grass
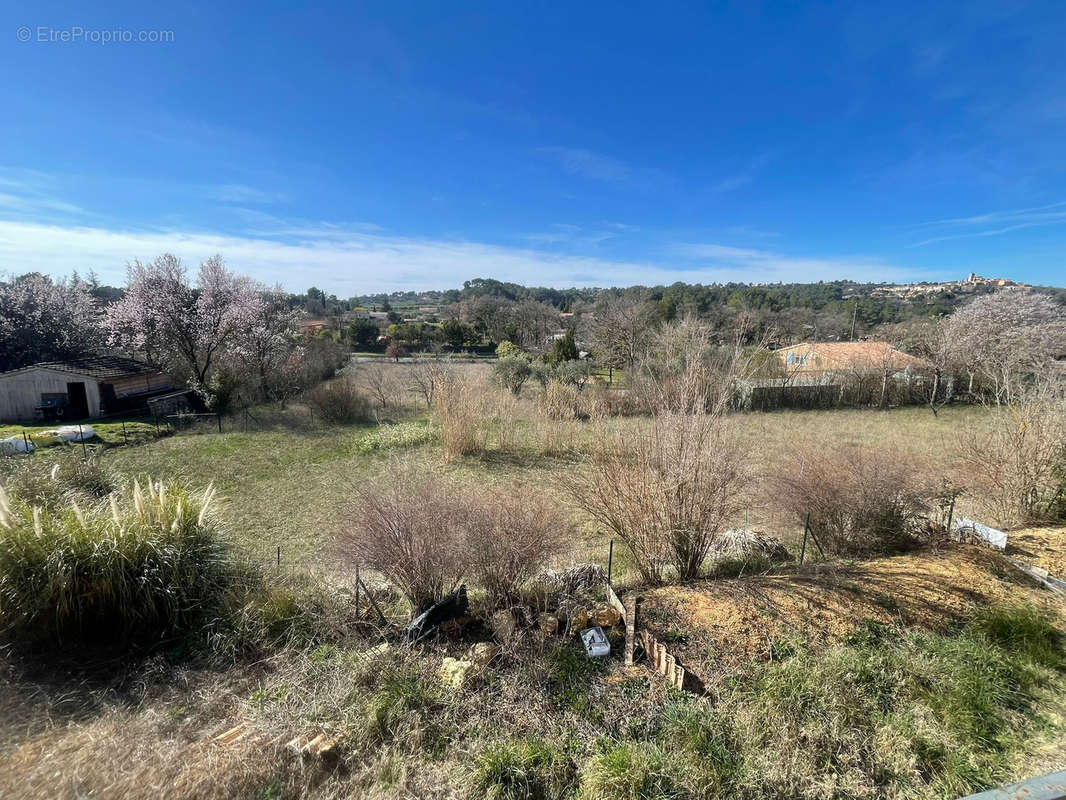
[{"x": 729, "y": 622}]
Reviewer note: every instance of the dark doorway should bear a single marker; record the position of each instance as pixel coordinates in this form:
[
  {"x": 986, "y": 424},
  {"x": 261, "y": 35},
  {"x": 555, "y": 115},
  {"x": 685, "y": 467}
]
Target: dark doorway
[{"x": 79, "y": 402}]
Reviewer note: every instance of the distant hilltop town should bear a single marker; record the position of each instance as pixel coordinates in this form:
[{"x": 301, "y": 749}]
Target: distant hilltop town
[{"x": 974, "y": 283}]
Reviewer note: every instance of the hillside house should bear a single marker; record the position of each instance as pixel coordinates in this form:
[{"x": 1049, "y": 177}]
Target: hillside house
[
  {"x": 80, "y": 388},
  {"x": 819, "y": 359}
]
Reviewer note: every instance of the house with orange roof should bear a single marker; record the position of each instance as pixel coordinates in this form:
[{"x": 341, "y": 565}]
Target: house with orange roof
[{"x": 818, "y": 359}]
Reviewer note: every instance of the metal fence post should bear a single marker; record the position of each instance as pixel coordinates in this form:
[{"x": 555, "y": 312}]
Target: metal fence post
[
  {"x": 610, "y": 560},
  {"x": 806, "y": 528},
  {"x": 124, "y": 439},
  {"x": 218, "y": 414},
  {"x": 81, "y": 437}
]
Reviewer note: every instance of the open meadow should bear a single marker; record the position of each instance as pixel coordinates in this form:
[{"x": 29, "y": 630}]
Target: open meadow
[{"x": 930, "y": 670}]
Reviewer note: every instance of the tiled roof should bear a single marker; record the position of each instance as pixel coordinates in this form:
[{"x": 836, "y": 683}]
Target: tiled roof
[
  {"x": 856, "y": 353},
  {"x": 95, "y": 366}
]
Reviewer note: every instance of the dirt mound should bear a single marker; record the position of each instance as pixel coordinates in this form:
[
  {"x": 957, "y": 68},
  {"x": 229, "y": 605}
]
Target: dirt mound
[
  {"x": 716, "y": 625},
  {"x": 1040, "y": 547}
]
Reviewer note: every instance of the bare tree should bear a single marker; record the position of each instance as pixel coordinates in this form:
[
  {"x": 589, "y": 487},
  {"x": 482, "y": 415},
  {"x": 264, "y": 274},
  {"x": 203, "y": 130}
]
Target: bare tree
[
  {"x": 619, "y": 331},
  {"x": 379, "y": 382},
  {"x": 421, "y": 379}
]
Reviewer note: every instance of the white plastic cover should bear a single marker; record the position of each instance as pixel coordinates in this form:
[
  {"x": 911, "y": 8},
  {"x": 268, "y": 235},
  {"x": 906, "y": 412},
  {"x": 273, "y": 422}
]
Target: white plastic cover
[
  {"x": 981, "y": 533},
  {"x": 15, "y": 444},
  {"x": 75, "y": 433}
]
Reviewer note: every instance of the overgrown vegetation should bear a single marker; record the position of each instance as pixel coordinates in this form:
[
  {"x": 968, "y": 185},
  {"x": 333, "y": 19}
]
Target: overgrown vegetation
[
  {"x": 859, "y": 500},
  {"x": 426, "y": 534},
  {"x": 340, "y": 401},
  {"x": 140, "y": 569}
]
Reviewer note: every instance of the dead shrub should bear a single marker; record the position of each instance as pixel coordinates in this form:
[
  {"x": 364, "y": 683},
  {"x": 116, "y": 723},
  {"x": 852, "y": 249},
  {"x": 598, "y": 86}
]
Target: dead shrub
[
  {"x": 860, "y": 501},
  {"x": 426, "y": 534},
  {"x": 561, "y": 401},
  {"x": 340, "y": 401},
  {"x": 1017, "y": 465},
  {"x": 512, "y": 537},
  {"x": 411, "y": 529},
  {"x": 667, "y": 491},
  {"x": 457, "y": 412}
]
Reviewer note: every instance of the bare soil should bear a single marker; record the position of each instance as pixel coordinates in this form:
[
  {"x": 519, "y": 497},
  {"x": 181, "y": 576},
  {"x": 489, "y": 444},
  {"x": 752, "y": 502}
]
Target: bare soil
[
  {"x": 1040, "y": 547},
  {"x": 717, "y": 626}
]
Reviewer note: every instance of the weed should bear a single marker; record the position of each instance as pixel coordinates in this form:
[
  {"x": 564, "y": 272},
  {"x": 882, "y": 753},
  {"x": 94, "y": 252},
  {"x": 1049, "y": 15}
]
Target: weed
[{"x": 519, "y": 770}]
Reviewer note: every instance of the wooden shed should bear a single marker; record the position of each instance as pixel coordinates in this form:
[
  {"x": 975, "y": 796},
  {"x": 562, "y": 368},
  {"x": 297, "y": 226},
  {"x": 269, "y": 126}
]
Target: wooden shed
[{"x": 78, "y": 389}]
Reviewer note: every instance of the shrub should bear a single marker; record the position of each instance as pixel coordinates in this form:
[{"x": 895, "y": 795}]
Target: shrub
[
  {"x": 410, "y": 528},
  {"x": 456, "y": 410},
  {"x": 50, "y": 481},
  {"x": 512, "y": 373},
  {"x": 511, "y": 538},
  {"x": 1018, "y": 463},
  {"x": 145, "y": 568},
  {"x": 860, "y": 500},
  {"x": 667, "y": 491},
  {"x": 425, "y": 534},
  {"x": 340, "y": 402},
  {"x": 506, "y": 349}
]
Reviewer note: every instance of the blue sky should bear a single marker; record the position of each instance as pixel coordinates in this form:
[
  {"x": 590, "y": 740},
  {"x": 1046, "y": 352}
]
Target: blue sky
[{"x": 365, "y": 147}]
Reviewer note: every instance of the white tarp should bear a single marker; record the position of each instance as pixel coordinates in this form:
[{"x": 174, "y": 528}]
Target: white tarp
[
  {"x": 975, "y": 531},
  {"x": 15, "y": 444},
  {"x": 74, "y": 433}
]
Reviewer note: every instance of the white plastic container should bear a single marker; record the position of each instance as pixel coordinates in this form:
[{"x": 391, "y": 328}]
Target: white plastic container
[{"x": 595, "y": 641}]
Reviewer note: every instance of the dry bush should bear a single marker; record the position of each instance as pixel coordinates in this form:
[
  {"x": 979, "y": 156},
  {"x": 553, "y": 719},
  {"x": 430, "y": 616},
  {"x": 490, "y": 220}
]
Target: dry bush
[
  {"x": 860, "y": 501},
  {"x": 561, "y": 401},
  {"x": 666, "y": 491},
  {"x": 1017, "y": 463},
  {"x": 604, "y": 401},
  {"x": 500, "y": 412},
  {"x": 426, "y": 534},
  {"x": 411, "y": 529},
  {"x": 340, "y": 401},
  {"x": 512, "y": 537},
  {"x": 379, "y": 382},
  {"x": 457, "y": 412}
]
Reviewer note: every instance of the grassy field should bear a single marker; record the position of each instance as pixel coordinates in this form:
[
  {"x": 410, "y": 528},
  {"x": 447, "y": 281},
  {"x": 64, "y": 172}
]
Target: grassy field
[
  {"x": 283, "y": 484},
  {"x": 919, "y": 675}
]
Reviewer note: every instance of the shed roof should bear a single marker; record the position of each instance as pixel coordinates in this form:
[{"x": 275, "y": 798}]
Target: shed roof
[{"x": 99, "y": 367}]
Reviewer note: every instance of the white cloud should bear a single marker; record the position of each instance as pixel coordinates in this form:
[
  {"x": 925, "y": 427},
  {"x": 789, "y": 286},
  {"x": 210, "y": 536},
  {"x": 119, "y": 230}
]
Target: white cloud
[
  {"x": 767, "y": 266},
  {"x": 995, "y": 223},
  {"x": 350, "y": 261},
  {"x": 240, "y": 193},
  {"x": 589, "y": 164}
]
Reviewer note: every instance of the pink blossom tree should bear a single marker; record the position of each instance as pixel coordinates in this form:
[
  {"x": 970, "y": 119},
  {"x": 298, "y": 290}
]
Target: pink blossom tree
[
  {"x": 45, "y": 320},
  {"x": 184, "y": 328},
  {"x": 1003, "y": 336},
  {"x": 268, "y": 349}
]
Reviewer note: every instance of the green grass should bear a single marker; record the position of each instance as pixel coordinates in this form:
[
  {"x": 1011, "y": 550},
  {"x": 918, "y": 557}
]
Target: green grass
[{"x": 109, "y": 434}]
